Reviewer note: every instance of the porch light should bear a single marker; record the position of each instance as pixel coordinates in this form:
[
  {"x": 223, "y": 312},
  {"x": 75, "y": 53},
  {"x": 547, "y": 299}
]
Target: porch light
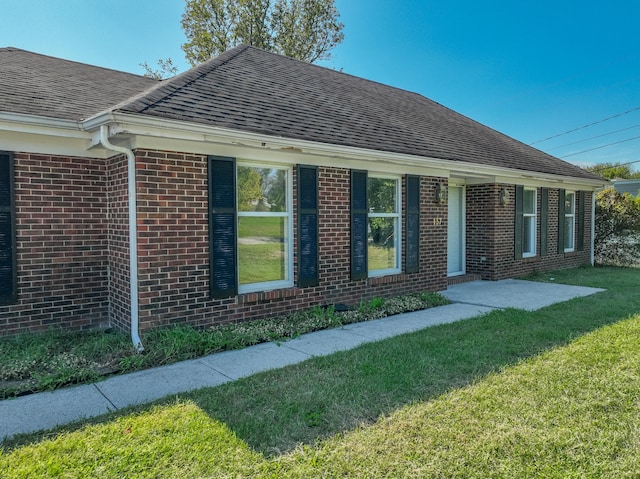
[
  {"x": 441, "y": 193},
  {"x": 504, "y": 196}
]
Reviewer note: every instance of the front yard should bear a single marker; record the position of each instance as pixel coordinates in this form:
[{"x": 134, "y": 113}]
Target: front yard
[{"x": 552, "y": 393}]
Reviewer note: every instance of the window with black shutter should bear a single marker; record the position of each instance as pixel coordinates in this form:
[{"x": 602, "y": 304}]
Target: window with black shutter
[
  {"x": 222, "y": 227},
  {"x": 8, "y": 275},
  {"x": 544, "y": 221},
  {"x": 359, "y": 223},
  {"x": 412, "y": 257},
  {"x": 580, "y": 221},
  {"x": 561, "y": 220},
  {"x": 307, "y": 178},
  {"x": 518, "y": 222}
]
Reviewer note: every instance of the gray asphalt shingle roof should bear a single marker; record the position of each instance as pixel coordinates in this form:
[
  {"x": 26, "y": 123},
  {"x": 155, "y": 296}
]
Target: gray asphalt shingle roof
[
  {"x": 252, "y": 90},
  {"x": 35, "y": 84}
]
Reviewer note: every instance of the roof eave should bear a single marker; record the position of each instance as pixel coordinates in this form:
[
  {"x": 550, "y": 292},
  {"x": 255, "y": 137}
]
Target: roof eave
[{"x": 133, "y": 125}]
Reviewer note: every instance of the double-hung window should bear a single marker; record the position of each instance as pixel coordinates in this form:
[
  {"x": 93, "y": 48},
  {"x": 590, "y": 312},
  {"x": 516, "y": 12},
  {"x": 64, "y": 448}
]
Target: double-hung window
[
  {"x": 569, "y": 221},
  {"x": 529, "y": 217},
  {"x": 383, "y": 231},
  {"x": 264, "y": 227}
]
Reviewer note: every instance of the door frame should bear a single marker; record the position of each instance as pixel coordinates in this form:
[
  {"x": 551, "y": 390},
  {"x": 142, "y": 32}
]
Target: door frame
[{"x": 463, "y": 228}]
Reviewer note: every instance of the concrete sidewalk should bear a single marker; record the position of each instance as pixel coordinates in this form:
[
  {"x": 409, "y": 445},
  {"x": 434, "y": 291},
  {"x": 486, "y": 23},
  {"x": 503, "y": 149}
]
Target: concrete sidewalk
[{"x": 50, "y": 409}]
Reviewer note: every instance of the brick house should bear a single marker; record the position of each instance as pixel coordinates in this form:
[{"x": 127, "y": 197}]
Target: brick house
[{"x": 255, "y": 185}]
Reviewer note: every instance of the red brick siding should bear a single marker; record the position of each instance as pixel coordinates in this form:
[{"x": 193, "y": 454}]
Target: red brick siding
[
  {"x": 118, "y": 236},
  {"x": 61, "y": 235},
  {"x": 174, "y": 258},
  {"x": 490, "y": 234}
]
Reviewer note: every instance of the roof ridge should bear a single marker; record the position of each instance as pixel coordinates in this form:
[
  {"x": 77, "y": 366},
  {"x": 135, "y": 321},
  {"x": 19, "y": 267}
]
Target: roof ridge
[{"x": 154, "y": 95}]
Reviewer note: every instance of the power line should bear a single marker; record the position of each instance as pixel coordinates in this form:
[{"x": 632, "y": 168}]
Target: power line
[
  {"x": 602, "y": 146},
  {"x": 602, "y": 168},
  {"x": 592, "y": 138},
  {"x": 588, "y": 125}
]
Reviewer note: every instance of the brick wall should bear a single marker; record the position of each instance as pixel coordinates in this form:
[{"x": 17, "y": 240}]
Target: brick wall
[
  {"x": 118, "y": 243},
  {"x": 174, "y": 258},
  {"x": 61, "y": 244},
  {"x": 490, "y": 235},
  {"x": 73, "y": 234}
]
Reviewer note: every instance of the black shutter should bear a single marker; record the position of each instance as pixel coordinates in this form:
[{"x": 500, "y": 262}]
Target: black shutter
[
  {"x": 561, "y": 198},
  {"x": 8, "y": 272},
  {"x": 580, "y": 239},
  {"x": 359, "y": 224},
  {"x": 544, "y": 221},
  {"x": 412, "y": 257},
  {"x": 223, "y": 282},
  {"x": 519, "y": 222},
  {"x": 307, "y": 180}
]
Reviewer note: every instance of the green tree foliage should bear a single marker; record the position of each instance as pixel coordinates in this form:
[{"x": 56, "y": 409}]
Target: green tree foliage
[
  {"x": 304, "y": 29},
  {"x": 612, "y": 171},
  {"x": 617, "y": 228},
  {"x": 249, "y": 188},
  {"x": 165, "y": 69}
]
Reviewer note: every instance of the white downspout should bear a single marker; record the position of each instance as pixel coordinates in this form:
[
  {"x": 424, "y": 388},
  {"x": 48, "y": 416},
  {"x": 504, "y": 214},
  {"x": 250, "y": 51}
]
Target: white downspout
[
  {"x": 593, "y": 228},
  {"x": 133, "y": 233}
]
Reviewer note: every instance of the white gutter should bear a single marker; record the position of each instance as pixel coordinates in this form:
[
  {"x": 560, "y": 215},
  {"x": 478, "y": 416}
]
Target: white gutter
[
  {"x": 143, "y": 125},
  {"x": 133, "y": 233}
]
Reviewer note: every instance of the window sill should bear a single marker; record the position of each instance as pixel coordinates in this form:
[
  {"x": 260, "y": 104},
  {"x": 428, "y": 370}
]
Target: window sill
[
  {"x": 391, "y": 278},
  {"x": 265, "y": 296}
]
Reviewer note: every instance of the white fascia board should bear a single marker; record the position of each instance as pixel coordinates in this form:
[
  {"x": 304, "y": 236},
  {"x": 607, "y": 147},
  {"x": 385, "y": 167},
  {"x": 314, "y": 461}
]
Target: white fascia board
[
  {"x": 143, "y": 131},
  {"x": 43, "y": 135}
]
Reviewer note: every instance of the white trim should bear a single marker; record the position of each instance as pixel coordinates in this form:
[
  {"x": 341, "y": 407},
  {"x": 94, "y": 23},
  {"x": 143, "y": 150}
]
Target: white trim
[
  {"x": 139, "y": 128},
  {"x": 397, "y": 228},
  {"x": 571, "y": 215},
  {"x": 288, "y": 239},
  {"x": 531, "y": 218},
  {"x": 463, "y": 213},
  {"x": 141, "y": 131}
]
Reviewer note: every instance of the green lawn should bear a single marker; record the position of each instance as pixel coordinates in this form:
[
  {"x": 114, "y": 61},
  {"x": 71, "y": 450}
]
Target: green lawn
[{"x": 552, "y": 393}]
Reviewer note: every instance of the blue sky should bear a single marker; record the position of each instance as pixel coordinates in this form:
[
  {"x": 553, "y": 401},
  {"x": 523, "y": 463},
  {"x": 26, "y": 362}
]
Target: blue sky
[{"x": 530, "y": 69}]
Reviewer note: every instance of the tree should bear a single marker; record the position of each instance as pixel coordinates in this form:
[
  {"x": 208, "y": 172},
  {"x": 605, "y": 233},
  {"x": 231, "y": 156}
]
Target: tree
[
  {"x": 304, "y": 29},
  {"x": 166, "y": 69},
  {"x": 617, "y": 228},
  {"x": 612, "y": 171}
]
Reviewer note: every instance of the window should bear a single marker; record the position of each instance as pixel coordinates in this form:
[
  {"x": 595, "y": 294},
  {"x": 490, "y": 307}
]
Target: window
[
  {"x": 569, "y": 221},
  {"x": 8, "y": 282},
  {"x": 529, "y": 212},
  {"x": 383, "y": 231},
  {"x": 264, "y": 227}
]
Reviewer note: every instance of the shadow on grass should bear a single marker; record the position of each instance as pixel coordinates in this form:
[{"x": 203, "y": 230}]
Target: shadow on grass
[{"x": 277, "y": 410}]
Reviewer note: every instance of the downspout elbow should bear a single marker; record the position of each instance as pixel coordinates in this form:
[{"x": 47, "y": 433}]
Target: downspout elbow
[{"x": 133, "y": 233}]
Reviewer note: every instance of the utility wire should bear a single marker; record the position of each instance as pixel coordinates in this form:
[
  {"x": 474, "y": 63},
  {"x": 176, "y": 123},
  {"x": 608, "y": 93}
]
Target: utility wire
[
  {"x": 602, "y": 146},
  {"x": 592, "y": 138},
  {"x": 587, "y": 126},
  {"x": 602, "y": 168}
]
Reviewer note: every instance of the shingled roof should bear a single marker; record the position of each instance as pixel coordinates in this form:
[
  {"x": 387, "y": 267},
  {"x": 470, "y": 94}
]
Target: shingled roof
[
  {"x": 251, "y": 90},
  {"x": 35, "y": 84}
]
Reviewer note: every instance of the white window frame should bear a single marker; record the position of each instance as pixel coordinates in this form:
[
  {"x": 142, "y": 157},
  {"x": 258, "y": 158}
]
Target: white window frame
[
  {"x": 397, "y": 216},
  {"x": 570, "y": 216},
  {"x": 288, "y": 232},
  {"x": 532, "y": 218}
]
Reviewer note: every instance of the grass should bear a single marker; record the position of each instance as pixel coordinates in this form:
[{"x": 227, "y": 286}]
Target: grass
[
  {"x": 553, "y": 393},
  {"x": 31, "y": 362}
]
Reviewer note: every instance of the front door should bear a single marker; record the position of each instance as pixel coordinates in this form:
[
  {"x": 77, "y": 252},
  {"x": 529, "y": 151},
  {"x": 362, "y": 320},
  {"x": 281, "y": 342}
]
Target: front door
[{"x": 456, "y": 231}]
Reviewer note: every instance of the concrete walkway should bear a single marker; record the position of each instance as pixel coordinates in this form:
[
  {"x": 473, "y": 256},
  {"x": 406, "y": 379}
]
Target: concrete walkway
[{"x": 50, "y": 409}]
